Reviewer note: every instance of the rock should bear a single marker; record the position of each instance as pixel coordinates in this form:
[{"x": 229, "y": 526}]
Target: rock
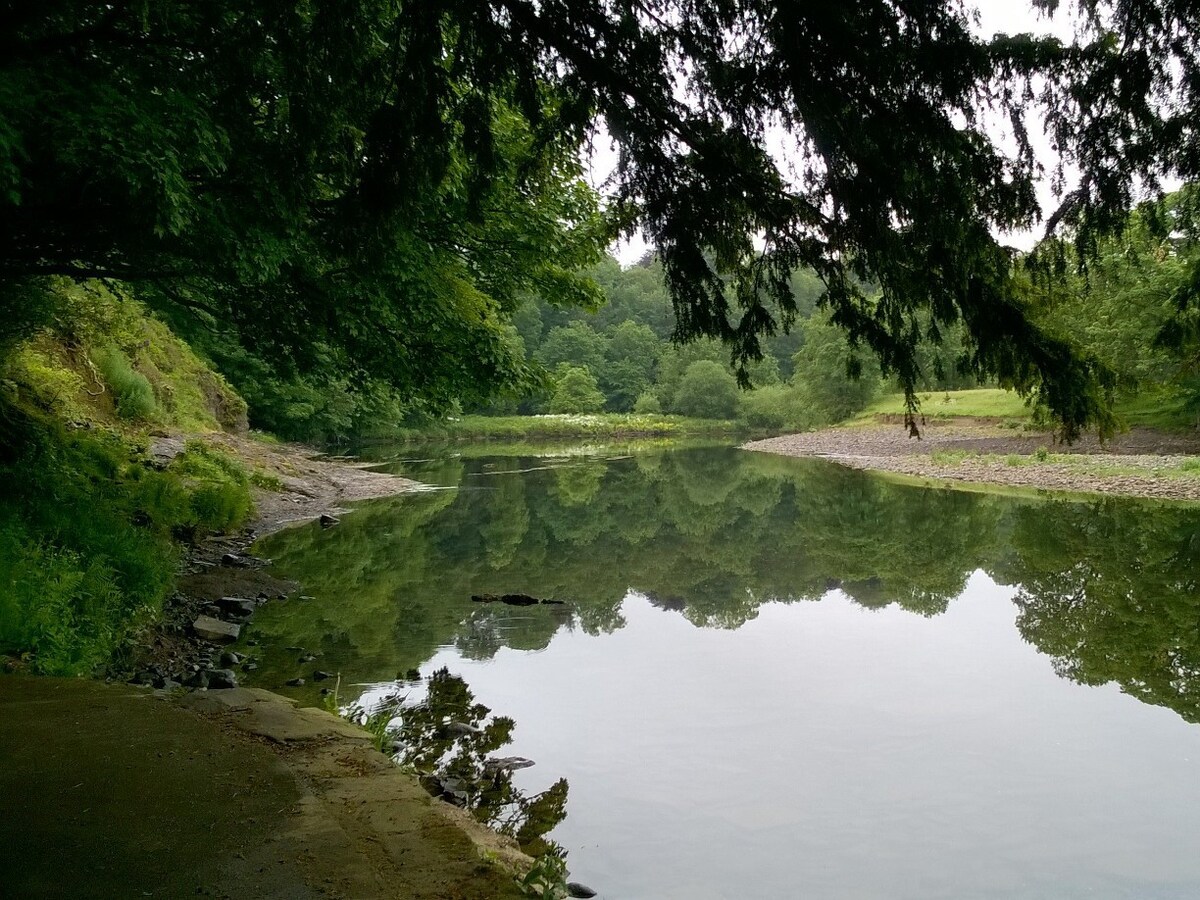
[
  {"x": 304, "y": 597},
  {"x": 510, "y": 599},
  {"x": 169, "y": 684},
  {"x": 320, "y": 675},
  {"x": 307, "y": 658},
  {"x": 328, "y": 521},
  {"x": 506, "y": 764},
  {"x": 575, "y": 889},
  {"x": 222, "y": 679},
  {"x": 518, "y": 599},
  {"x": 250, "y": 666},
  {"x": 229, "y": 658},
  {"x": 295, "y": 682},
  {"x": 237, "y": 606},
  {"x": 215, "y": 630}
]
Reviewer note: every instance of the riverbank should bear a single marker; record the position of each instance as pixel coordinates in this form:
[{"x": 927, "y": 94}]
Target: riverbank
[
  {"x": 1139, "y": 463},
  {"x": 185, "y": 783},
  {"x": 114, "y": 791},
  {"x": 301, "y": 485}
]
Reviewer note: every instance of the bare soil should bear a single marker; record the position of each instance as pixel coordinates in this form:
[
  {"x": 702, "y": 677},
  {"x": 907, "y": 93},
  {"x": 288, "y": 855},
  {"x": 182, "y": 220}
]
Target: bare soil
[{"x": 1136, "y": 457}]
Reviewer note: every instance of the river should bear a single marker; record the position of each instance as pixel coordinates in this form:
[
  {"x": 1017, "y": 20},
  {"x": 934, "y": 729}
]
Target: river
[{"x": 775, "y": 677}]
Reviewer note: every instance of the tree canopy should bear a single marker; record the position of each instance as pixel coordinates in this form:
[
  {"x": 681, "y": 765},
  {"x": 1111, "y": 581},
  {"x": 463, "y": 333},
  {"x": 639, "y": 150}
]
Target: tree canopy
[{"x": 378, "y": 181}]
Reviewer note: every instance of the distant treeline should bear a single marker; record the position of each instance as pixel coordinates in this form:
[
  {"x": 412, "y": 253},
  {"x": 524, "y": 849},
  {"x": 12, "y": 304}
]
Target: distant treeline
[{"x": 1122, "y": 313}]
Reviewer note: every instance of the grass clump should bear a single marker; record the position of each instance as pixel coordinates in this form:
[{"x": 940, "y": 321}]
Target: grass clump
[
  {"x": 950, "y": 457},
  {"x": 133, "y": 395}
]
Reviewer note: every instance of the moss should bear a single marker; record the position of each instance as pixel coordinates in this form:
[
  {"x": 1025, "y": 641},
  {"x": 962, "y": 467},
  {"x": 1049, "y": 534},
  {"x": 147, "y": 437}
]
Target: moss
[{"x": 104, "y": 359}]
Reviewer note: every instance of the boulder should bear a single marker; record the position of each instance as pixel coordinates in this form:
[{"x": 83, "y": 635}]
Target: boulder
[
  {"x": 215, "y": 630},
  {"x": 518, "y": 599},
  {"x": 222, "y": 679},
  {"x": 575, "y": 889}
]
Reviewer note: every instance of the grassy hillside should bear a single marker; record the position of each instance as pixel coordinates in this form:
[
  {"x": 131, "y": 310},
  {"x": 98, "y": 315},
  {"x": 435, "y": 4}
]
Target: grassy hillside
[
  {"x": 102, "y": 359},
  {"x": 89, "y": 525}
]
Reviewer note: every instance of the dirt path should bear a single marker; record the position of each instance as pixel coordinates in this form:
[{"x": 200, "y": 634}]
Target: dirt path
[
  {"x": 1140, "y": 463},
  {"x": 114, "y": 791}
]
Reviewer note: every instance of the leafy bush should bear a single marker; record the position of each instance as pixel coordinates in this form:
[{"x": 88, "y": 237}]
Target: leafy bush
[
  {"x": 576, "y": 391},
  {"x": 707, "y": 391},
  {"x": 769, "y": 407},
  {"x": 132, "y": 394},
  {"x": 647, "y": 404},
  {"x": 218, "y": 488}
]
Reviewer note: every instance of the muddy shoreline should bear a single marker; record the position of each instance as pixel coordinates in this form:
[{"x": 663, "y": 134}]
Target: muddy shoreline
[
  {"x": 168, "y": 652},
  {"x": 1138, "y": 463}
]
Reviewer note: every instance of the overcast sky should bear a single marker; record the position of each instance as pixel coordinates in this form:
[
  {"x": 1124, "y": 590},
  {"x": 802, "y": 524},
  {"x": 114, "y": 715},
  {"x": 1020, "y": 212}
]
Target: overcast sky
[{"x": 995, "y": 16}]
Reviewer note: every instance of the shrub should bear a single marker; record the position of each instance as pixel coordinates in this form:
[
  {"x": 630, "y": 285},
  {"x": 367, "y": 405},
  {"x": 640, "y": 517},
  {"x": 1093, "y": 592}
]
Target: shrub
[
  {"x": 769, "y": 407},
  {"x": 707, "y": 391},
  {"x": 647, "y": 404},
  {"x": 576, "y": 391}
]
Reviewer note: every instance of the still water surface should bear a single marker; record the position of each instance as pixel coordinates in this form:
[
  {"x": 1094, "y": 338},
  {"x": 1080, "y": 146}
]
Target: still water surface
[{"x": 779, "y": 678}]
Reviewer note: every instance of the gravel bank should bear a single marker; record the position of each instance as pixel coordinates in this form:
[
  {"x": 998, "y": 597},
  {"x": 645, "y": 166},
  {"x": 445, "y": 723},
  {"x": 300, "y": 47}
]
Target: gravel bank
[{"x": 1140, "y": 463}]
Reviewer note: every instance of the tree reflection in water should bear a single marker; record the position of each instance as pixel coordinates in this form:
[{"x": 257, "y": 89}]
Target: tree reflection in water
[
  {"x": 449, "y": 740},
  {"x": 1106, "y": 587}
]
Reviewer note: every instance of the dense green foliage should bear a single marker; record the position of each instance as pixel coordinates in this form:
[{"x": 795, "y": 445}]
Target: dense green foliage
[
  {"x": 87, "y": 540},
  {"x": 808, "y": 377},
  {"x": 366, "y": 190},
  {"x": 337, "y": 189},
  {"x": 1132, "y": 310}
]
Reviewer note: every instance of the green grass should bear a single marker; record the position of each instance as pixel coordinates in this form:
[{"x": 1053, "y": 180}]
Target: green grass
[
  {"x": 989, "y": 403},
  {"x": 599, "y": 425},
  {"x": 88, "y": 534},
  {"x": 1164, "y": 409},
  {"x": 106, "y": 360}
]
